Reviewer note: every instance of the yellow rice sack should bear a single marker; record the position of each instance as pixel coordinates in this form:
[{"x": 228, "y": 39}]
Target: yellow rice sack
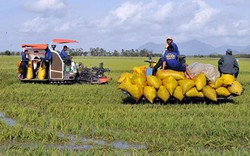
[
  {"x": 139, "y": 79},
  {"x": 18, "y": 63},
  {"x": 154, "y": 81},
  {"x": 170, "y": 83},
  {"x": 125, "y": 83},
  {"x": 163, "y": 94},
  {"x": 222, "y": 91},
  {"x": 209, "y": 93},
  {"x": 19, "y": 69},
  {"x": 139, "y": 70},
  {"x": 41, "y": 72},
  {"x": 235, "y": 88},
  {"x": 228, "y": 79},
  {"x": 218, "y": 83},
  {"x": 136, "y": 91},
  {"x": 186, "y": 85},
  {"x": 162, "y": 74},
  {"x": 150, "y": 93},
  {"x": 200, "y": 81},
  {"x": 123, "y": 76},
  {"x": 178, "y": 93},
  {"x": 193, "y": 92},
  {"x": 29, "y": 70}
]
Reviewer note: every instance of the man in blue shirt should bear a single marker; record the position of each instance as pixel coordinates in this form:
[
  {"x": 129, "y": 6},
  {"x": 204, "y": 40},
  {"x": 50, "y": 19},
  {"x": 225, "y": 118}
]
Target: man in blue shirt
[
  {"x": 170, "y": 41},
  {"x": 47, "y": 57},
  {"x": 171, "y": 61},
  {"x": 66, "y": 58},
  {"x": 173, "y": 46},
  {"x": 63, "y": 53},
  {"x": 46, "y": 60},
  {"x": 24, "y": 63},
  {"x": 228, "y": 64}
]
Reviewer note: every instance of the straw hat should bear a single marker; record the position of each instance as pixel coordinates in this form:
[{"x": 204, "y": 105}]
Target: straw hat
[{"x": 168, "y": 38}]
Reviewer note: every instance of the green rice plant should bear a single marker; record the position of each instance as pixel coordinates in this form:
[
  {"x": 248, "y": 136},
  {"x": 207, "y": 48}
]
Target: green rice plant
[{"x": 99, "y": 112}]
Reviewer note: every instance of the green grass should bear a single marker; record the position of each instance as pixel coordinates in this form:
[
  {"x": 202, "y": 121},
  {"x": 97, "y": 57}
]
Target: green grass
[{"x": 42, "y": 112}]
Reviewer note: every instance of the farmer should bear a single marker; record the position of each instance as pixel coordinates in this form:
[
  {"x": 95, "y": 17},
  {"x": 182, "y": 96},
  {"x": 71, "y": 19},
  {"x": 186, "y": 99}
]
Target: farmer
[
  {"x": 46, "y": 60},
  {"x": 174, "y": 47},
  {"x": 171, "y": 61},
  {"x": 24, "y": 63},
  {"x": 228, "y": 64},
  {"x": 66, "y": 58},
  {"x": 48, "y": 56}
]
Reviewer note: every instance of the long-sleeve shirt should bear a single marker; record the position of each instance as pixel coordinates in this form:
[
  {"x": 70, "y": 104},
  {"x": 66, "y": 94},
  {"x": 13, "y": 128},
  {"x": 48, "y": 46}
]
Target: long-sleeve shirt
[
  {"x": 228, "y": 65},
  {"x": 64, "y": 55},
  {"x": 48, "y": 54},
  {"x": 24, "y": 57},
  {"x": 175, "y": 48},
  {"x": 171, "y": 59}
]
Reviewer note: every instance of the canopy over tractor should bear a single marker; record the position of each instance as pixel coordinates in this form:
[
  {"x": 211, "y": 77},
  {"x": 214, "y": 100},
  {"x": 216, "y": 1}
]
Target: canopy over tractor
[
  {"x": 55, "y": 70},
  {"x": 63, "y": 41}
]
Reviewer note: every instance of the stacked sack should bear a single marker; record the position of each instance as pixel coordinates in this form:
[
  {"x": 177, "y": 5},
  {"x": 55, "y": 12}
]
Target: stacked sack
[{"x": 170, "y": 83}]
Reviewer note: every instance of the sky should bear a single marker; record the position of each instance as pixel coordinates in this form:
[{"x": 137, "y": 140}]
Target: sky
[{"x": 123, "y": 24}]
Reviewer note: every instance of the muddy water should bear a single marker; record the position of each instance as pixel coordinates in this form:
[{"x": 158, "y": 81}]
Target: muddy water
[
  {"x": 9, "y": 121},
  {"x": 87, "y": 143},
  {"x": 79, "y": 143}
]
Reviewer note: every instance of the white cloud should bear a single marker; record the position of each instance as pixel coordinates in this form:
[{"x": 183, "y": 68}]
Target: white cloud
[
  {"x": 243, "y": 27},
  {"x": 236, "y": 2},
  {"x": 163, "y": 12},
  {"x": 127, "y": 12},
  {"x": 42, "y": 6},
  {"x": 36, "y": 25},
  {"x": 133, "y": 16},
  {"x": 200, "y": 19},
  {"x": 134, "y": 23}
]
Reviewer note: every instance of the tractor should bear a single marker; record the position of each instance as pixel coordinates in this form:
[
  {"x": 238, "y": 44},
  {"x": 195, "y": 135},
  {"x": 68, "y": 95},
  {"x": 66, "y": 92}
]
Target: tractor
[{"x": 56, "y": 70}]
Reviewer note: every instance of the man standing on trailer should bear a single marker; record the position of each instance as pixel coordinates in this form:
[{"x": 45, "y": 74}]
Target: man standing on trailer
[{"x": 24, "y": 63}]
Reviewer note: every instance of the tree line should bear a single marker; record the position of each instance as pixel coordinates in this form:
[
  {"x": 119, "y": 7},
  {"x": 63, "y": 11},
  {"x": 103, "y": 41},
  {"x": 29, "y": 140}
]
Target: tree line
[
  {"x": 100, "y": 52},
  {"x": 132, "y": 52},
  {"x": 219, "y": 55}
]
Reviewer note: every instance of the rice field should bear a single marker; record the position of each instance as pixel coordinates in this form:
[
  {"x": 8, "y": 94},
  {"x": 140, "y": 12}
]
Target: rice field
[{"x": 43, "y": 119}]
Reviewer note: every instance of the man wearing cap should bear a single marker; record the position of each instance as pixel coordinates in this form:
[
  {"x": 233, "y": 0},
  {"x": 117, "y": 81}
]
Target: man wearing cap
[
  {"x": 228, "y": 64},
  {"x": 169, "y": 46},
  {"x": 24, "y": 63}
]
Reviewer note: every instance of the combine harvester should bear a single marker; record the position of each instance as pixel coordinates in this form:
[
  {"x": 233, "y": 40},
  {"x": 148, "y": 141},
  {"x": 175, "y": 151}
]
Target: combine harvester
[
  {"x": 59, "y": 72},
  {"x": 169, "y": 86}
]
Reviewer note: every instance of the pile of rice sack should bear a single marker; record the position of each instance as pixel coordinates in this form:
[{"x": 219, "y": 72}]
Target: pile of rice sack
[{"x": 170, "y": 83}]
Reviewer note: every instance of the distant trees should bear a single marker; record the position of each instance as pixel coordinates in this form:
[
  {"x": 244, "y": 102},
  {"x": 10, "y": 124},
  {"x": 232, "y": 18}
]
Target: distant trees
[
  {"x": 132, "y": 53},
  {"x": 8, "y": 53},
  {"x": 102, "y": 52}
]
